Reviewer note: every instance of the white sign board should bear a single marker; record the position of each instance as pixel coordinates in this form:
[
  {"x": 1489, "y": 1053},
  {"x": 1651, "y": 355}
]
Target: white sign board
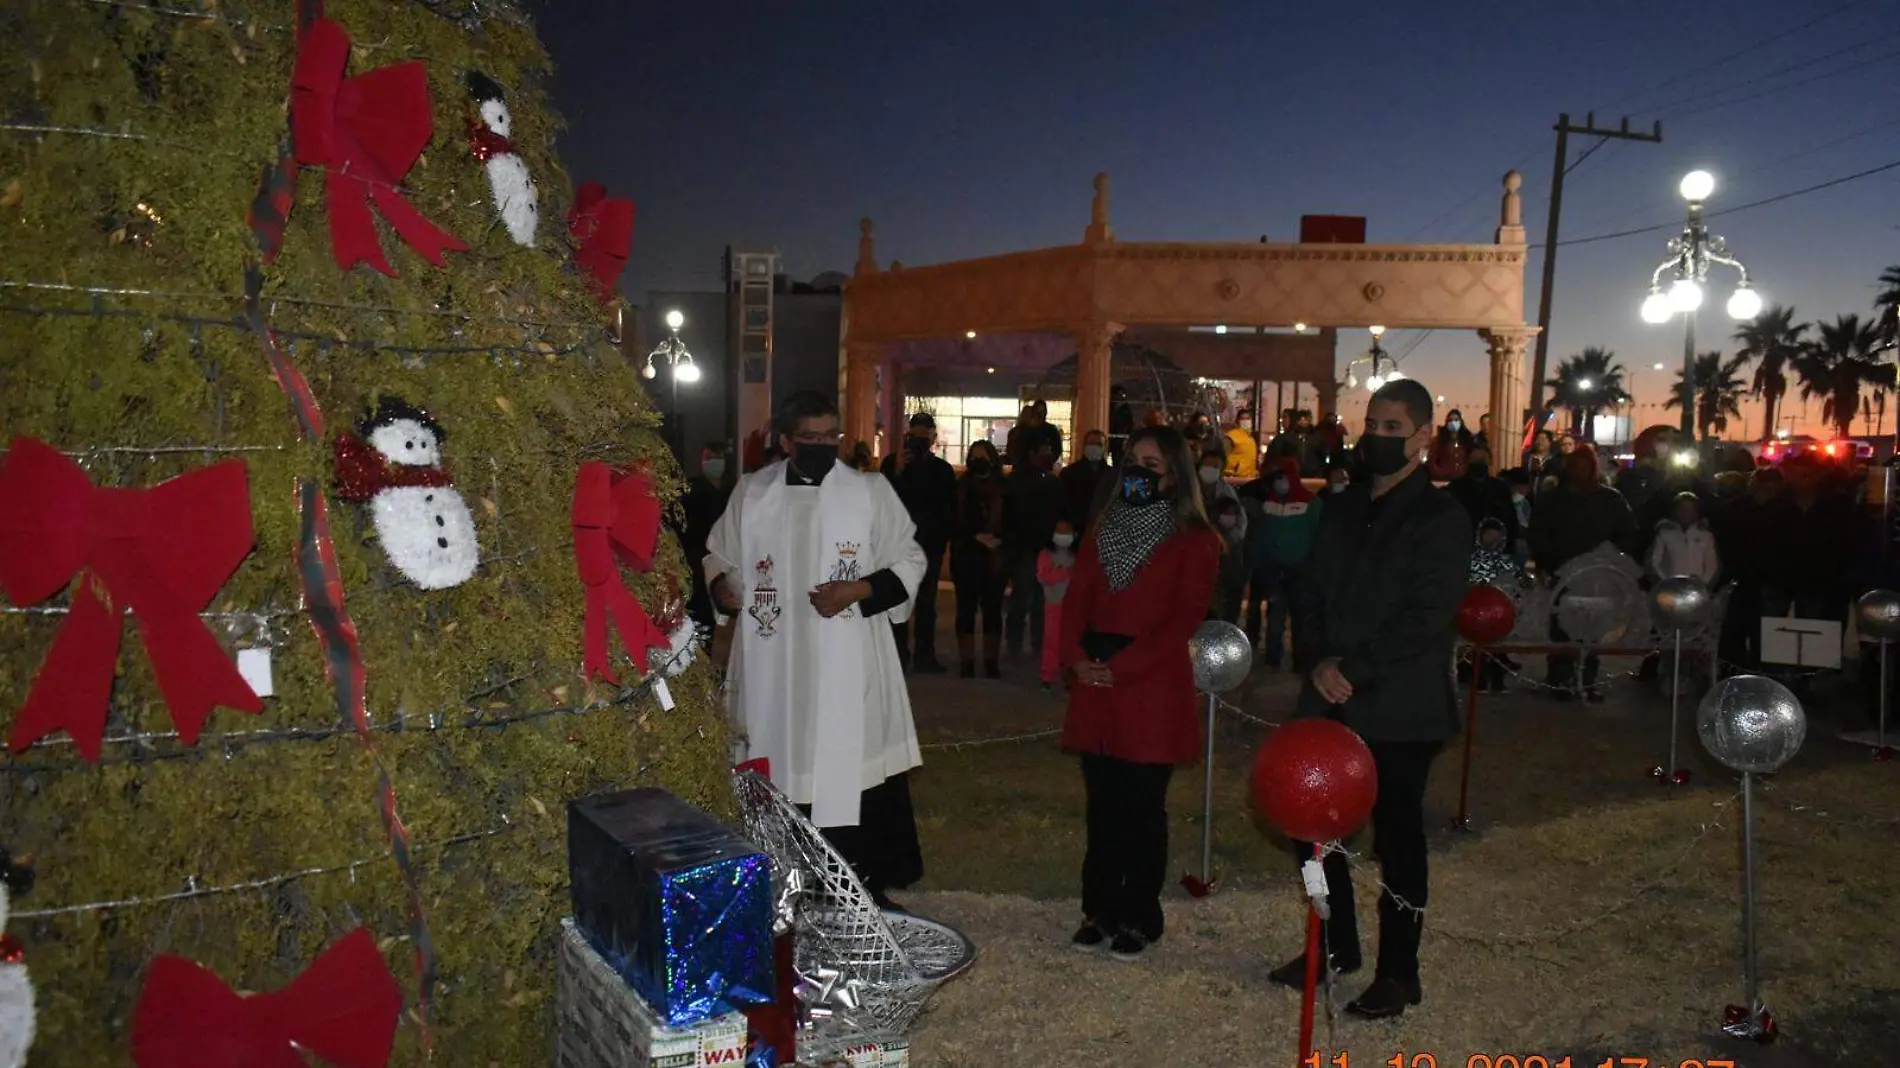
[{"x": 1814, "y": 643}]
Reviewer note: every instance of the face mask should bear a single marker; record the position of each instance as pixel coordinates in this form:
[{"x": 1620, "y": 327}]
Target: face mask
[
  {"x": 1517, "y": 498},
  {"x": 1456, "y": 425},
  {"x": 814, "y": 461},
  {"x": 1481, "y": 469},
  {"x": 917, "y": 446},
  {"x": 979, "y": 467},
  {"x": 1063, "y": 541},
  {"x": 713, "y": 469},
  {"x": 1336, "y": 487},
  {"x": 1210, "y": 475},
  {"x": 1092, "y": 453},
  {"x": 1227, "y": 522},
  {"x": 1281, "y": 485},
  {"x": 1139, "y": 485},
  {"x": 1384, "y": 455}
]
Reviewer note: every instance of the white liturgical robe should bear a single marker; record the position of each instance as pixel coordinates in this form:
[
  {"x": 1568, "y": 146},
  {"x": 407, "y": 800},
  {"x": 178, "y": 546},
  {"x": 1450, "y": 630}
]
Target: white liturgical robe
[{"x": 823, "y": 699}]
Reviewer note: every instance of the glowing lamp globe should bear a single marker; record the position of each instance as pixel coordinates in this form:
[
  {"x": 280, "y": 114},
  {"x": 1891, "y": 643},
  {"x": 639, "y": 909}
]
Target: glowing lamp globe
[
  {"x": 1314, "y": 781},
  {"x": 687, "y": 372},
  {"x": 1744, "y": 304},
  {"x": 1486, "y": 615},
  {"x": 1374, "y": 383},
  {"x": 1685, "y": 295},
  {"x": 1656, "y": 307},
  {"x": 1696, "y": 186},
  {"x": 674, "y": 320}
]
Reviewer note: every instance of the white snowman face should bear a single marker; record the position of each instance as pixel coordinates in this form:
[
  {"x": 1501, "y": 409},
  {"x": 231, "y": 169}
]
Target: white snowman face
[
  {"x": 495, "y": 114},
  {"x": 407, "y": 442},
  {"x": 428, "y": 533}
]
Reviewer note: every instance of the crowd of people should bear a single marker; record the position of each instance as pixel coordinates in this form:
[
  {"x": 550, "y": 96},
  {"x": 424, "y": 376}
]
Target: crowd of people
[{"x": 1344, "y": 564}]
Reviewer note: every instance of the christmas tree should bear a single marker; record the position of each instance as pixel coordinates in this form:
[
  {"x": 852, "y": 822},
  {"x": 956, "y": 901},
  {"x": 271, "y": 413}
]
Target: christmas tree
[{"x": 302, "y": 276}]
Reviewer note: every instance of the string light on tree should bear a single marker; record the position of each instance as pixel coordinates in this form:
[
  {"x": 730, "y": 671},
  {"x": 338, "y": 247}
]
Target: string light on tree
[{"x": 1690, "y": 254}]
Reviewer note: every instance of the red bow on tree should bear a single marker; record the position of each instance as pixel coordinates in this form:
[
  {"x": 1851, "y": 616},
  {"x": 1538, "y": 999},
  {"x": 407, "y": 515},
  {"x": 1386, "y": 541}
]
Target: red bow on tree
[
  {"x": 343, "y": 1008},
  {"x": 162, "y": 553},
  {"x": 616, "y": 517},
  {"x": 604, "y": 227},
  {"x": 362, "y": 471},
  {"x": 366, "y": 132}
]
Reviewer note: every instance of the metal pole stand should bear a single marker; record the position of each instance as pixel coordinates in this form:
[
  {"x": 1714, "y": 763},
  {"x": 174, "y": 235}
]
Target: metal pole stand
[
  {"x": 1203, "y": 884},
  {"x": 1316, "y": 897},
  {"x": 1751, "y": 1020},
  {"x": 1462, "y": 822},
  {"x": 1670, "y": 774},
  {"x": 1882, "y": 751}
]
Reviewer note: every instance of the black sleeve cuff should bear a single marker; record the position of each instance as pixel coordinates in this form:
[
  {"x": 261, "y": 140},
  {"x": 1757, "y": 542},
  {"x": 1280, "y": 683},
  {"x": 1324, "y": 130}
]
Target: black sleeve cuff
[{"x": 887, "y": 592}]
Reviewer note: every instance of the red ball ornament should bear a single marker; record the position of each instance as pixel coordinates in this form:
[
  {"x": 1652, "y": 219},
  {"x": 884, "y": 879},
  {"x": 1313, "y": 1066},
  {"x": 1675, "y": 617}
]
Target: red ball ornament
[
  {"x": 1314, "y": 780},
  {"x": 1486, "y": 615}
]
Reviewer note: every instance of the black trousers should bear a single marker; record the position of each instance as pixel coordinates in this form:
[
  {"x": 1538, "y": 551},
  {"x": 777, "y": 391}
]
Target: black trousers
[
  {"x": 1127, "y": 859},
  {"x": 883, "y": 847},
  {"x": 1023, "y": 609},
  {"x": 923, "y": 614},
  {"x": 1398, "y": 841},
  {"x": 978, "y": 588}
]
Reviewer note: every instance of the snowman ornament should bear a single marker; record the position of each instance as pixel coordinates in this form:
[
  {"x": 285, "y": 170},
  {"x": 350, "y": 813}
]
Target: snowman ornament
[
  {"x": 508, "y": 176},
  {"x": 394, "y": 462}
]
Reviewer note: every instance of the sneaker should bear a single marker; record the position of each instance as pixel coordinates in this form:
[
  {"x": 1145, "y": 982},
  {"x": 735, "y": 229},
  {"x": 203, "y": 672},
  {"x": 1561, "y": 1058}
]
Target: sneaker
[
  {"x": 1128, "y": 945},
  {"x": 1088, "y": 937}
]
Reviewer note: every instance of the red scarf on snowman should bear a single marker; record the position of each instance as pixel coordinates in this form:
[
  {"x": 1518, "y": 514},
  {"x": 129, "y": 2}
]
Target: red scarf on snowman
[{"x": 362, "y": 471}]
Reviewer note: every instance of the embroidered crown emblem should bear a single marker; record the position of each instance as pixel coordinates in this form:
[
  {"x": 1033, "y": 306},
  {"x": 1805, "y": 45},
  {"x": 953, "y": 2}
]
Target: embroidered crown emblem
[
  {"x": 764, "y": 570},
  {"x": 848, "y": 550}
]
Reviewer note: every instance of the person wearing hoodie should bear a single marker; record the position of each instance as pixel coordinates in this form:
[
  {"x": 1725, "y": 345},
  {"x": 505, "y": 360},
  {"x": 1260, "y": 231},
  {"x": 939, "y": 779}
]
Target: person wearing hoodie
[
  {"x": 1684, "y": 544},
  {"x": 1492, "y": 563},
  {"x": 1289, "y": 515}
]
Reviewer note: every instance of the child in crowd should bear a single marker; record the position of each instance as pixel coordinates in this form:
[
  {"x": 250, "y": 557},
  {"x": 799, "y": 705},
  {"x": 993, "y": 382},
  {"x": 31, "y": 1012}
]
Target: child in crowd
[
  {"x": 1053, "y": 567},
  {"x": 1491, "y": 563},
  {"x": 1233, "y": 560},
  {"x": 1684, "y": 543}
]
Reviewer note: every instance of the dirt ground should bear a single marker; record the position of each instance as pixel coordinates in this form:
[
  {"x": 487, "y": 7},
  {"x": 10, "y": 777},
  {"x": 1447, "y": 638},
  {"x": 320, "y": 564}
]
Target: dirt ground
[{"x": 1587, "y": 912}]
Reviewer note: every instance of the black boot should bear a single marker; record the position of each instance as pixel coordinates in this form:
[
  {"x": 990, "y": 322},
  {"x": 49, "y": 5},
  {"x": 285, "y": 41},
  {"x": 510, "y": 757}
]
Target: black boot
[
  {"x": 1293, "y": 972},
  {"x": 991, "y": 648},
  {"x": 966, "y": 652},
  {"x": 1384, "y": 998}
]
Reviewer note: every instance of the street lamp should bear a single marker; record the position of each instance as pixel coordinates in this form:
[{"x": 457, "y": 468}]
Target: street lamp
[
  {"x": 1690, "y": 254},
  {"x": 1377, "y": 377},
  {"x": 672, "y": 352}
]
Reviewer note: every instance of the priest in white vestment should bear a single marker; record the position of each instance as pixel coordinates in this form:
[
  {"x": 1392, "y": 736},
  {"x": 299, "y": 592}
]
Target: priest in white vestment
[{"x": 816, "y": 560}]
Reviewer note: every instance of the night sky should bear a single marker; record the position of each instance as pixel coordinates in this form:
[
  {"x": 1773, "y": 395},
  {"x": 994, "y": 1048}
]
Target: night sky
[{"x": 974, "y": 128}]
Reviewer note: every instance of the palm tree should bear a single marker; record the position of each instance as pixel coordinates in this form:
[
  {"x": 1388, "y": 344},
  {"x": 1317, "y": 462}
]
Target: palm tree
[
  {"x": 1773, "y": 340},
  {"x": 1719, "y": 387},
  {"x": 1887, "y": 303},
  {"x": 1587, "y": 383},
  {"x": 1837, "y": 363}
]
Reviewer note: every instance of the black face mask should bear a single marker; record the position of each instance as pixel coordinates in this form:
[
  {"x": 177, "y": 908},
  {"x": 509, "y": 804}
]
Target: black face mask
[
  {"x": 1139, "y": 485},
  {"x": 978, "y": 467},
  {"x": 916, "y": 446},
  {"x": 1384, "y": 455},
  {"x": 814, "y": 461},
  {"x": 1480, "y": 469}
]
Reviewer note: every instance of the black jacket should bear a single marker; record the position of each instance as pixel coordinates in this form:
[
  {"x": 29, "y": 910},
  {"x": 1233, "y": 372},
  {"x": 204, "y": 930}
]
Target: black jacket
[
  {"x": 1081, "y": 484},
  {"x": 1384, "y": 584},
  {"x": 928, "y": 488},
  {"x": 1487, "y": 498},
  {"x": 1569, "y": 522}
]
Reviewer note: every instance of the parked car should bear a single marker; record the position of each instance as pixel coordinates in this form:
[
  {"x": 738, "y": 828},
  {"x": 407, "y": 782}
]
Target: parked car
[{"x": 1835, "y": 450}]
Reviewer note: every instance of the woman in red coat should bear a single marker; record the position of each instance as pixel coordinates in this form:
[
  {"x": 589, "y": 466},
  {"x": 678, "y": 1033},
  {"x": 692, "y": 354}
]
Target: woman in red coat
[{"x": 1142, "y": 584}]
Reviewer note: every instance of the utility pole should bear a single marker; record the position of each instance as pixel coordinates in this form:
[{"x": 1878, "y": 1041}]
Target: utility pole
[{"x": 1564, "y": 130}]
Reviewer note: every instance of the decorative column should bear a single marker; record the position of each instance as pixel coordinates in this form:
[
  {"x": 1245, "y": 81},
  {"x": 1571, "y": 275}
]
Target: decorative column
[
  {"x": 860, "y": 392},
  {"x": 1507, "y": 345},
  {"x": 1094, "y": 347},
  {"x": 890, "y": 381},
  {"x": 1328, "y": 403},
  {"x": 1099, "y": 231}
]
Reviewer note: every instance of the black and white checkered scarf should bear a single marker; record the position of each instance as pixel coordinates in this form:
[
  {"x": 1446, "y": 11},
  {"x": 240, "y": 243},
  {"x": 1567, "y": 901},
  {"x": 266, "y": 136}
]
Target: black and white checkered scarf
[{"x": 1128, "y": 535}]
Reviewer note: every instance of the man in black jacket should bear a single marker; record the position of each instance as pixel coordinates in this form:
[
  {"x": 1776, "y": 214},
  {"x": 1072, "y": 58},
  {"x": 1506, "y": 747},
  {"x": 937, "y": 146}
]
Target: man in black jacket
[
  {"x": 927, "y": 485},
  {"x": 1485, "y": 496},
  {"x": 1082, "y": 482},
  {"x": 701, "y": 506},
  {"x": 1375, "y": 618}
]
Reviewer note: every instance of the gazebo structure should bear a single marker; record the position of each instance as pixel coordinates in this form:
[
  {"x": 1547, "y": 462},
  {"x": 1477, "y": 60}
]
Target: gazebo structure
[{"x": 1048, "y": 303}]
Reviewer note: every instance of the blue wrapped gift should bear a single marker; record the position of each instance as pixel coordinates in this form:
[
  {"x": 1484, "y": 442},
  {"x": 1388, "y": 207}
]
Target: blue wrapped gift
[{"x": 678, "y": 905}]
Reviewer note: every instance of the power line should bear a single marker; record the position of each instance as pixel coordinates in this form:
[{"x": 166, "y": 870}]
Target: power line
[
  {"x": 1791, "y": 194},
  {"x": 1664, "y": 109},
  {"x": 1824, "y": 76},
  {"x": 1739, "y": 53}
]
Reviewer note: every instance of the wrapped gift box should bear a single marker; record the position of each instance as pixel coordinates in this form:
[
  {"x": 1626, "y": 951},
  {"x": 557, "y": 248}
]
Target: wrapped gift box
[
  {"x": 601, "y": 1023},
  {"x": 867, "y": 1054},
  {"x": 680, "y": 906}
]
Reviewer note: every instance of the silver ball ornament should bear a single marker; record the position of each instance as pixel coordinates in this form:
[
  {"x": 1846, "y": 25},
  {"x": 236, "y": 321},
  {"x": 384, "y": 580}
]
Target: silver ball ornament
[
  {"x": 1222, "y": 656},
  {"x": 1679, "y": 603},
  {"x": 1751, "y": 723},
  {"x": 1877, "y": 614}
]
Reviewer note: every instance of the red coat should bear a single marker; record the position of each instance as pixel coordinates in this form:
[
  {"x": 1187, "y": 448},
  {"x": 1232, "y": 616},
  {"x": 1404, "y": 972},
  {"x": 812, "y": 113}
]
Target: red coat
[{"x": 1150, "y": 715}]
